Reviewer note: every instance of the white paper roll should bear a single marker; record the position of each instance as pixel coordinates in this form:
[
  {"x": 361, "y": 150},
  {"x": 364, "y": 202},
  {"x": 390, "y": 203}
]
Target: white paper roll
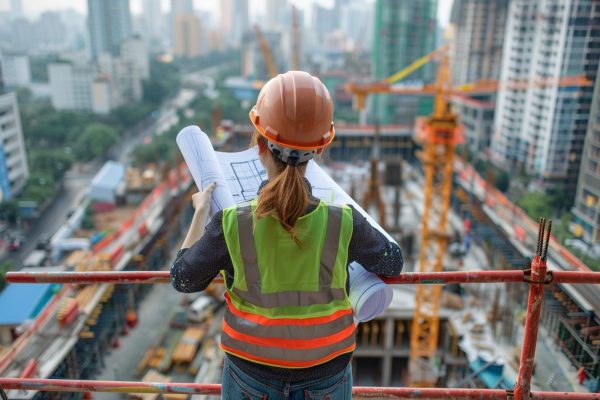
[
  {"x": 369, "y": 295},
  {"x": 200, "y": 157}
]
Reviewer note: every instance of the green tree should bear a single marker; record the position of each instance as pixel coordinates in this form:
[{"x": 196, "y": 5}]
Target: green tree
[
  {"x": 9, "y": 211},
  {"x": 536, "y": 205},
  {"x": 55, "y": 161},
  {"x": 165, "y": 79},
  {"x": 39, "y": 187},
  {"x": 95, "y": 140},
  {"x": 501, "y": 180},
  {"x": 129, "y": 115},
  {"x": 5, "y": 267}
]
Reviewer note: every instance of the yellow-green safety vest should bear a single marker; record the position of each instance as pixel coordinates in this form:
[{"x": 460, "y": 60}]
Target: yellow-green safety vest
[{"x": 287, "y": 305}]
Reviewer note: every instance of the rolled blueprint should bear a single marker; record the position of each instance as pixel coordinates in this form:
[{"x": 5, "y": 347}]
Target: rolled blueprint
[
  {"x": 369, "y": 295},
  {"x": 201, "y": 159}
]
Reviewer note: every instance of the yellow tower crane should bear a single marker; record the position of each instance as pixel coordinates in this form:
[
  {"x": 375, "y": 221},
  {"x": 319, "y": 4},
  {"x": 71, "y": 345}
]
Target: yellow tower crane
[
  {"x": 439, "y": 135},
  {"x": 266, "y": 52}
]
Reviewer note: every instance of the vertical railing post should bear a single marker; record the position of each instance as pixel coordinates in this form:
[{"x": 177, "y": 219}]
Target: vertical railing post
[{"x": 534, "y": 308}]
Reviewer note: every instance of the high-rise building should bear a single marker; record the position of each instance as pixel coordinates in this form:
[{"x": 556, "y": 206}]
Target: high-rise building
[
  {"x": 14, "y": 170},
  {"x": 320, "y": 21},
  {"x": 15, "y": 69},
  {"x": 357, "y": 23},
  {"x": 153, "y": 24},
  {"x": 187, "y": 36},
  {"x": 253, "y": 63},
  {"x": 71, "y": 85},
  {"x": 278, "y": 14},
  {"x": 234, "y": 20},
  {"x": 16, "y": 9},
  {"x": 134, "y": 50},
  {"x": 124, "y": 78},
  {"x": 109, "y": 23},
  {"x": 587, "y": 201},
  {"x": 181, "y": 7},
  {"x": 404, "y": 32},
  {"x": 477, "y": 118},
  {"x": 50, "y": 31},
  {"x": 479, "y": 34},
  {"x": 539, "y": 125},
  {"x": 23, "y": 35}
]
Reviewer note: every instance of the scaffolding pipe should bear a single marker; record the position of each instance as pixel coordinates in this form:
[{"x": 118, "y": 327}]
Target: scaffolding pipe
[
  {"x": 508, "y": 276},
  {"x": 65, "y": 385},
  {"x": 534, "y": 311},
  {"x": 534, "y": 308}
]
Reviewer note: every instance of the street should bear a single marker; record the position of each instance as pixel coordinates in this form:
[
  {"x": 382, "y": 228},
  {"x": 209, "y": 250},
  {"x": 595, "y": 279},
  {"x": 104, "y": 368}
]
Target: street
[{"x": 78, "y": 178}]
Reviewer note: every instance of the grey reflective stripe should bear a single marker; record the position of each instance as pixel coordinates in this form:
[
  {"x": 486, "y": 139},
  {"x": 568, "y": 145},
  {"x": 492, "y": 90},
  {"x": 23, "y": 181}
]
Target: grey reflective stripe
[
  {"x": 331, "y": 244},
  {"x": 289, "y": 298},
  {"x": 287, "y": 353},
  {"x": 314, "y": 331},
  {"x": 247, "y": 246}
]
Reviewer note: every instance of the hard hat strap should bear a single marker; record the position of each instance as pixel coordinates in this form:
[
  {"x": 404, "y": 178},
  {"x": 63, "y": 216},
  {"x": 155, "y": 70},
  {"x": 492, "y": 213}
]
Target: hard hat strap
[{"x": 293, "y": 157}]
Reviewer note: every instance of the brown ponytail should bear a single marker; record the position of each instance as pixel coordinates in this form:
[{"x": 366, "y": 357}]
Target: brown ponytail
[{"x": 285, "y": 196}]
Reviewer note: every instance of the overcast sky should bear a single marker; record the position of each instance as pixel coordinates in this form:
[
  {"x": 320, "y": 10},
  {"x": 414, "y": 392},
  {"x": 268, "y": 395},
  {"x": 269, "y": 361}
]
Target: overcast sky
[{"x": 34, "y": 7}]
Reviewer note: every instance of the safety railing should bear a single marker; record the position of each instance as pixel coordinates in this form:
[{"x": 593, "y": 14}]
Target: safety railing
[{"x": 537, "y": 276}]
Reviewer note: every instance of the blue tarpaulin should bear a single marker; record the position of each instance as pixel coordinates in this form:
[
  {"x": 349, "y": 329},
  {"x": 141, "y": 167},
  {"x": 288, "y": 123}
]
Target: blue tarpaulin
[
  {"x": 23, "y": 301},
  {"x": 490, "y": 374}
]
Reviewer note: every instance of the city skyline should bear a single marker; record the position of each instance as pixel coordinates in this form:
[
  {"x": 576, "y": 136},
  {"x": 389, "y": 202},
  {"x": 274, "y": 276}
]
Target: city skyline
[{"x": 31, "y": 10}]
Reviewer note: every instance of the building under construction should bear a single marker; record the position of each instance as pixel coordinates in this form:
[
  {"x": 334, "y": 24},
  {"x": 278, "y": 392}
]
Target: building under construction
[{"x": 455, "y": 228}]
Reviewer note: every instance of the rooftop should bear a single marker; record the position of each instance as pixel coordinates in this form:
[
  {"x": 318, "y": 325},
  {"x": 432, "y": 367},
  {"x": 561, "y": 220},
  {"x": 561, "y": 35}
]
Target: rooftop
[{"x": 21, "y": 302}]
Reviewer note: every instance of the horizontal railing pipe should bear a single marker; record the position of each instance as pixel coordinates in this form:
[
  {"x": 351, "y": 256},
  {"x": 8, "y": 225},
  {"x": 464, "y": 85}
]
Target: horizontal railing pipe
[
  {"x": 358, "y": 392},
  {"x": 508, "y": 276}
]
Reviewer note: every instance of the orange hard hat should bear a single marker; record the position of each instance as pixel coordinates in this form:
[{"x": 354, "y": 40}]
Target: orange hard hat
[{"x": 294, "y": 111}]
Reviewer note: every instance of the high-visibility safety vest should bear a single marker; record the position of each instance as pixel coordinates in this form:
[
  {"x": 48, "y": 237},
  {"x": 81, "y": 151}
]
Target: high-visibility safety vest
[{"x": 287, "y": 305}]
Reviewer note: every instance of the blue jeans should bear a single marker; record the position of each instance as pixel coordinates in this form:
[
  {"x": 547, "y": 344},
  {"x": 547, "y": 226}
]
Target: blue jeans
[{"x": 237, "y": 385}]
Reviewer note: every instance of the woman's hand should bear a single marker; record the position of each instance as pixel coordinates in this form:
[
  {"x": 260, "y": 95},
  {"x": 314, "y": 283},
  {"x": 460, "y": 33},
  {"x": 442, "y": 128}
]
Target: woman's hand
[{"x": 201, "y": 200}]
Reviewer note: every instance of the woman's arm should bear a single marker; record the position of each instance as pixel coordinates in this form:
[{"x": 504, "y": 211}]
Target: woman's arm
[
  {"x": 203, "y": 253},
  {"x": 201, "y": 203},
  {"x": 195, "y": 268},
  {"x": 371, "y": 249}
]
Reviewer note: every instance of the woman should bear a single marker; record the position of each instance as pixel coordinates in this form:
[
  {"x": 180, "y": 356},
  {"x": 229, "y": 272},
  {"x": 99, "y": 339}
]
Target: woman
[{"x": 288, "y": 330}]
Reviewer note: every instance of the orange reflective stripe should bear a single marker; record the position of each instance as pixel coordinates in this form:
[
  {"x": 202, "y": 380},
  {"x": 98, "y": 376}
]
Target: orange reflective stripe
[
  {"x": 259, "y": 319},
  {"x": 287, "y": 363},
  {"x": 297, "y": 344}
]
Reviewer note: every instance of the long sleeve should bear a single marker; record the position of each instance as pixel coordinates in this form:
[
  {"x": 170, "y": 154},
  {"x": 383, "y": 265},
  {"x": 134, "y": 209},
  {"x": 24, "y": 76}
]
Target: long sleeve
[
  {"x": 194, "y": 268},
  {"x": 371, "y": 249}
]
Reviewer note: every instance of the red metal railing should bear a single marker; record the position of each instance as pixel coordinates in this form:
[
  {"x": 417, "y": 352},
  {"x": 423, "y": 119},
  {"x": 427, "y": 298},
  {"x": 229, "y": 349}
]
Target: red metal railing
[
  {"x": 536, "y": 277},
  {"x": 432, "y": 278}
]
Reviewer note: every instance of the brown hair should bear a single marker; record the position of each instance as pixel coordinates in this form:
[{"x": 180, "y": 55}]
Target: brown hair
[{"x": 285, "y": 196}]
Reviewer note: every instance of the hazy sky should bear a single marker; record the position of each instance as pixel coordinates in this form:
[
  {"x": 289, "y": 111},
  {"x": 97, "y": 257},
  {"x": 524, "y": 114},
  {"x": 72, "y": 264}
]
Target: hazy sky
[{"x": 34, "y": 7}]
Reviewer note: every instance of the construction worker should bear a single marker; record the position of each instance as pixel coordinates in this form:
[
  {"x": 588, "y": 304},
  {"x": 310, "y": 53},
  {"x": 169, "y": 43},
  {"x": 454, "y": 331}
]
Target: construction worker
[{"x": 288, "y": 329}]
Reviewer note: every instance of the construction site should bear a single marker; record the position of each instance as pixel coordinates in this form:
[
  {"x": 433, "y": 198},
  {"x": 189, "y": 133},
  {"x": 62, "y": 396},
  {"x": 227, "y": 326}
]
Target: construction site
[{"x": 489, "y": 305}]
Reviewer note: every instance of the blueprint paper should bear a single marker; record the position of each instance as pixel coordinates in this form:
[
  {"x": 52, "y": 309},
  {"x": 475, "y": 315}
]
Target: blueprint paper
[
  {"x": 201, "y": 159},
  {"x": 239, "y": 175}
]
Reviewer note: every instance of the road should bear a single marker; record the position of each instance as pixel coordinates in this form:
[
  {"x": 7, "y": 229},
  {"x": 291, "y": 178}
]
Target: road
[
  {"x": 78, "y": 178},
  {"x": 75, "y": 182}
]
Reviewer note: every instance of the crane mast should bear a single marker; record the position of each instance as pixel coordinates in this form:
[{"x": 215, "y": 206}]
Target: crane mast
[{"x": 439, "y": 135}]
